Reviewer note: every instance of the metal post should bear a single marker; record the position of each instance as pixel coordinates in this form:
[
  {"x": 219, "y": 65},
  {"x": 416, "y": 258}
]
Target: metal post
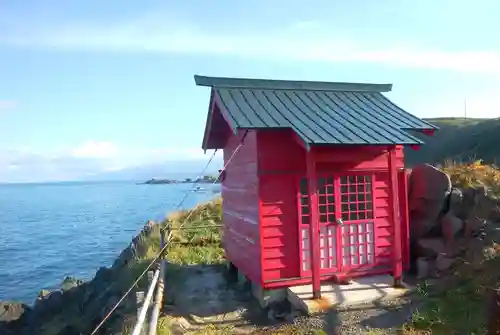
[
  {"x": 150, "y": 277},
  {"x": 139, "y": 299},
  {"x": 155, "y": 314},
  {"x": 147, "y": 301}
]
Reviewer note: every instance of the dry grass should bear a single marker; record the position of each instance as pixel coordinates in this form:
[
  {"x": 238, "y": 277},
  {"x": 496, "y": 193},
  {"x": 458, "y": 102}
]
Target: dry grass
[
  {"x": 474, "y": 174},
  {"x": 200, "y": 245}
]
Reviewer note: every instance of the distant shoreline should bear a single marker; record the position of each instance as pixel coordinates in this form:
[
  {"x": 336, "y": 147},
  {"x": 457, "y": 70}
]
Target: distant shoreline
[{"x": 204, "y": 180}]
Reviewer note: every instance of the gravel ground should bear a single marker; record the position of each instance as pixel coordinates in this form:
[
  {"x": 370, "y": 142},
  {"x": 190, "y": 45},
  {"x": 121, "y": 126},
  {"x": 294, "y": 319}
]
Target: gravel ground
[{"x": 205, "y": 299}]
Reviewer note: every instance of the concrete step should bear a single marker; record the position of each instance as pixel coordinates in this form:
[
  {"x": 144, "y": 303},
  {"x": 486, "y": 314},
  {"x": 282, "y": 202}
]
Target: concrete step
[{"x": 361, "y": 291}]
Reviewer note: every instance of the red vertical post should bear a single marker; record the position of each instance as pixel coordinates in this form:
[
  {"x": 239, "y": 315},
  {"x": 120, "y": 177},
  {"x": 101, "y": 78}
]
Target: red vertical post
[
  {"x": 314, "y": 228},
  {"x": 397, "y": 255},
  {"x": 403, "y": 213}
]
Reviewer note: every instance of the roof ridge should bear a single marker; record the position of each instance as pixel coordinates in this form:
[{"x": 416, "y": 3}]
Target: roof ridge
[{"x": 302, "y": 85}]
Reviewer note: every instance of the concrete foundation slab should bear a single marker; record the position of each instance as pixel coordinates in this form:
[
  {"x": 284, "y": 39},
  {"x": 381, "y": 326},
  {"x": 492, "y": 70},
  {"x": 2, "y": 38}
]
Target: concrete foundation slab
[
  {"x": 263, "y": 296},
  {"x": 360, "y": 291},
  {"x": 268, "y": 297}
]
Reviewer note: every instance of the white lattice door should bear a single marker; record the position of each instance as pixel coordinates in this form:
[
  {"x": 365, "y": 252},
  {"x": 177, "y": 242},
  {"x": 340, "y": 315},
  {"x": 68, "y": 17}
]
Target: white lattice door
[
  {"x": 357, "y": 222},
  {"x": 328, "y": 227},
  {"x": 346, "y": 225}
]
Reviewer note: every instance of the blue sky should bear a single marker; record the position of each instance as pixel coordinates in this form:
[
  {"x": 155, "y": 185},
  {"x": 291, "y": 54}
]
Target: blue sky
[{"x": 88, "y": 86}]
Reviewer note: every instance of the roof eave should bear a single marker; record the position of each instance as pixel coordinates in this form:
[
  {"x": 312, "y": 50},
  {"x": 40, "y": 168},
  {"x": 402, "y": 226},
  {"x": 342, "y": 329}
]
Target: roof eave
[
  {"x": 248, "y": 83},
  {"x": 208, "y": 123}
]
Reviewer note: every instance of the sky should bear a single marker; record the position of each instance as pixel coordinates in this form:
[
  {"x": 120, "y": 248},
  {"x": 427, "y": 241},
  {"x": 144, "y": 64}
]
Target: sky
[{"x": 90, "y": 86}]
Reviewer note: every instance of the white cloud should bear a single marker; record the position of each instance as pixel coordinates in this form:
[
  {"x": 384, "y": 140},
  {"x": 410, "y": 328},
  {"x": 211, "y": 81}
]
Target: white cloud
[
  {"x": 88, "y": 158},
  {"x": 93, "y": 149},
  {"x": 303, "y": 41}
]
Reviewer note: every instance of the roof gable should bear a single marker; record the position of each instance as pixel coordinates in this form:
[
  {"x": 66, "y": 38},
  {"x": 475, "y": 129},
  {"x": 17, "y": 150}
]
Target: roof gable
[{"x": 318, "y": 112}]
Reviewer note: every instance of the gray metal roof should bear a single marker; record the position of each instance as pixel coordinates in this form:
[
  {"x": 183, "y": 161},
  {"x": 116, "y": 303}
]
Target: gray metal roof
[{"x": 319, "y": 112}]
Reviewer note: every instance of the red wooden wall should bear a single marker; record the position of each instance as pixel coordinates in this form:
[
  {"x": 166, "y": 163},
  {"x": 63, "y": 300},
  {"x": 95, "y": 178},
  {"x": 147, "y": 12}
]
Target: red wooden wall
[
  {"x": 281, "y": 161},
  {"x": 240, "y": 192}
]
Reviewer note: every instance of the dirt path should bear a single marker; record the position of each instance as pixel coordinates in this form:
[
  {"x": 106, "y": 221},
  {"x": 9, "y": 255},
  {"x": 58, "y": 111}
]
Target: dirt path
[{"x": 204, "y": 296}]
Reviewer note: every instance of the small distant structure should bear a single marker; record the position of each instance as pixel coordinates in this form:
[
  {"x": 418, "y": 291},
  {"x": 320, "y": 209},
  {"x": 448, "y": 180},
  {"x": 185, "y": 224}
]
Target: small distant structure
[{"x": 317, "y": 189}]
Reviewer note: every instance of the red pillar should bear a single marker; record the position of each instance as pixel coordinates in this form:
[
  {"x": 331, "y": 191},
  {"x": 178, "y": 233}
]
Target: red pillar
[
  {"x": 397, "y": 254},
  {"x": 314, "y": 228}
]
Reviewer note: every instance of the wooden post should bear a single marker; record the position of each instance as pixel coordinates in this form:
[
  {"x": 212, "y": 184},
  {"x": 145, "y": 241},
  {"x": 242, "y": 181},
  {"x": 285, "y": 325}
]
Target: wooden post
[
  {"x": 314, "y": 224},
  {"x": 397, "y": 258}
]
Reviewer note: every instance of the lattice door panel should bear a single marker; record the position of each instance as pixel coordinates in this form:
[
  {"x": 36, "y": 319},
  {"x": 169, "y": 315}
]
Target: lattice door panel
[
  {"x": 327, "y": 223},
  {"x": 358, "y": 247},
  {"x": 304, "y": 225},
  {"x": 356, "y": 203},
  {"x": 327, "y": 226}
]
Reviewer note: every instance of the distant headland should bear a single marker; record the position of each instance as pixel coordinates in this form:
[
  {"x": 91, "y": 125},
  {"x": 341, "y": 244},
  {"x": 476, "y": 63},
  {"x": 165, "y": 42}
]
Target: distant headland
[{"x": 203, "y": 180}]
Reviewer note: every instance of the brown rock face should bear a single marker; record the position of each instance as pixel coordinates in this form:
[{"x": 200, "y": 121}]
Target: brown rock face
[
  {"x": 428, "y": 189},
  {"x": 446, "y": 222}
]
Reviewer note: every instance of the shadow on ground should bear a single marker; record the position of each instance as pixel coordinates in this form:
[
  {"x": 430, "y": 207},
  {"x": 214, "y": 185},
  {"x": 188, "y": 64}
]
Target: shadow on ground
[{"x": 207, "y": 295}]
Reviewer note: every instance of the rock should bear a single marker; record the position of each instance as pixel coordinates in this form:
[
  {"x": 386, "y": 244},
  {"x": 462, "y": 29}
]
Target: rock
[
  {"x": 70, "y": 283},
  {"x": 473, "y": 226},
  {"x": 430, "y": 247},
  {"x": 450, "y": 227},
  {"x": 104, "y": 274},
  {"x": 428, "y": 189},
  {"x": 125, "y": 257},
  {"x": 12, "y": 311},
  {"x": 425, "y": 268},
  {"x": 148, "y": 226},
  {"x": 13, "y": 317},
  {"x": 455, "y": 202},
  {"x": 474, "y": 200},
  {"x": 49, "y": 304},
  {"x": 444, "y": 262}
]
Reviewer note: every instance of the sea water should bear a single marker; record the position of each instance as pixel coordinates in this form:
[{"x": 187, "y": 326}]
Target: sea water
[{"x": 52, "y": 230}]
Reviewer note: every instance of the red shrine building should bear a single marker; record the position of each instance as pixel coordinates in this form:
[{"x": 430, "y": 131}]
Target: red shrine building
[{"x": 314, "y": 187}]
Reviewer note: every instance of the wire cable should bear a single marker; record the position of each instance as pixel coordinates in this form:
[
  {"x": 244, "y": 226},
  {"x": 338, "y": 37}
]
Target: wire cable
[{"x": 169, "y": 237}]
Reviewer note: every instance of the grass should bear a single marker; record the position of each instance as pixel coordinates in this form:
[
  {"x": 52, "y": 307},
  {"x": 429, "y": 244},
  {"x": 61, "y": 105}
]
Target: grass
[
  {"x": 473, "y": 174},
  {"x": 200, "y": 245},
  {"x": 462, "y": 306}
]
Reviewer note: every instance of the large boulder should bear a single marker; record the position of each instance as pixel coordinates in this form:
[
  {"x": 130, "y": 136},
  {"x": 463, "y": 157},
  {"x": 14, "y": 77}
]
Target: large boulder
[
  {"x": 13, "y": 317},
  {"x": 451, "y": 226},
  {"x": 428, "y": 190}
]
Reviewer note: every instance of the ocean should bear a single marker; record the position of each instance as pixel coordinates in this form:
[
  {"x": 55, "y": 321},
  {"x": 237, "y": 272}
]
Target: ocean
[{"x": 52, "y": 230}]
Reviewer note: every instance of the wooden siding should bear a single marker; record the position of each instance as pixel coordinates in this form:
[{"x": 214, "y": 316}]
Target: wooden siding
[
  {"x": 240, "y": 193},
  {"x": 344, "y": 158},
  {"x": 279, "y": 159}
]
